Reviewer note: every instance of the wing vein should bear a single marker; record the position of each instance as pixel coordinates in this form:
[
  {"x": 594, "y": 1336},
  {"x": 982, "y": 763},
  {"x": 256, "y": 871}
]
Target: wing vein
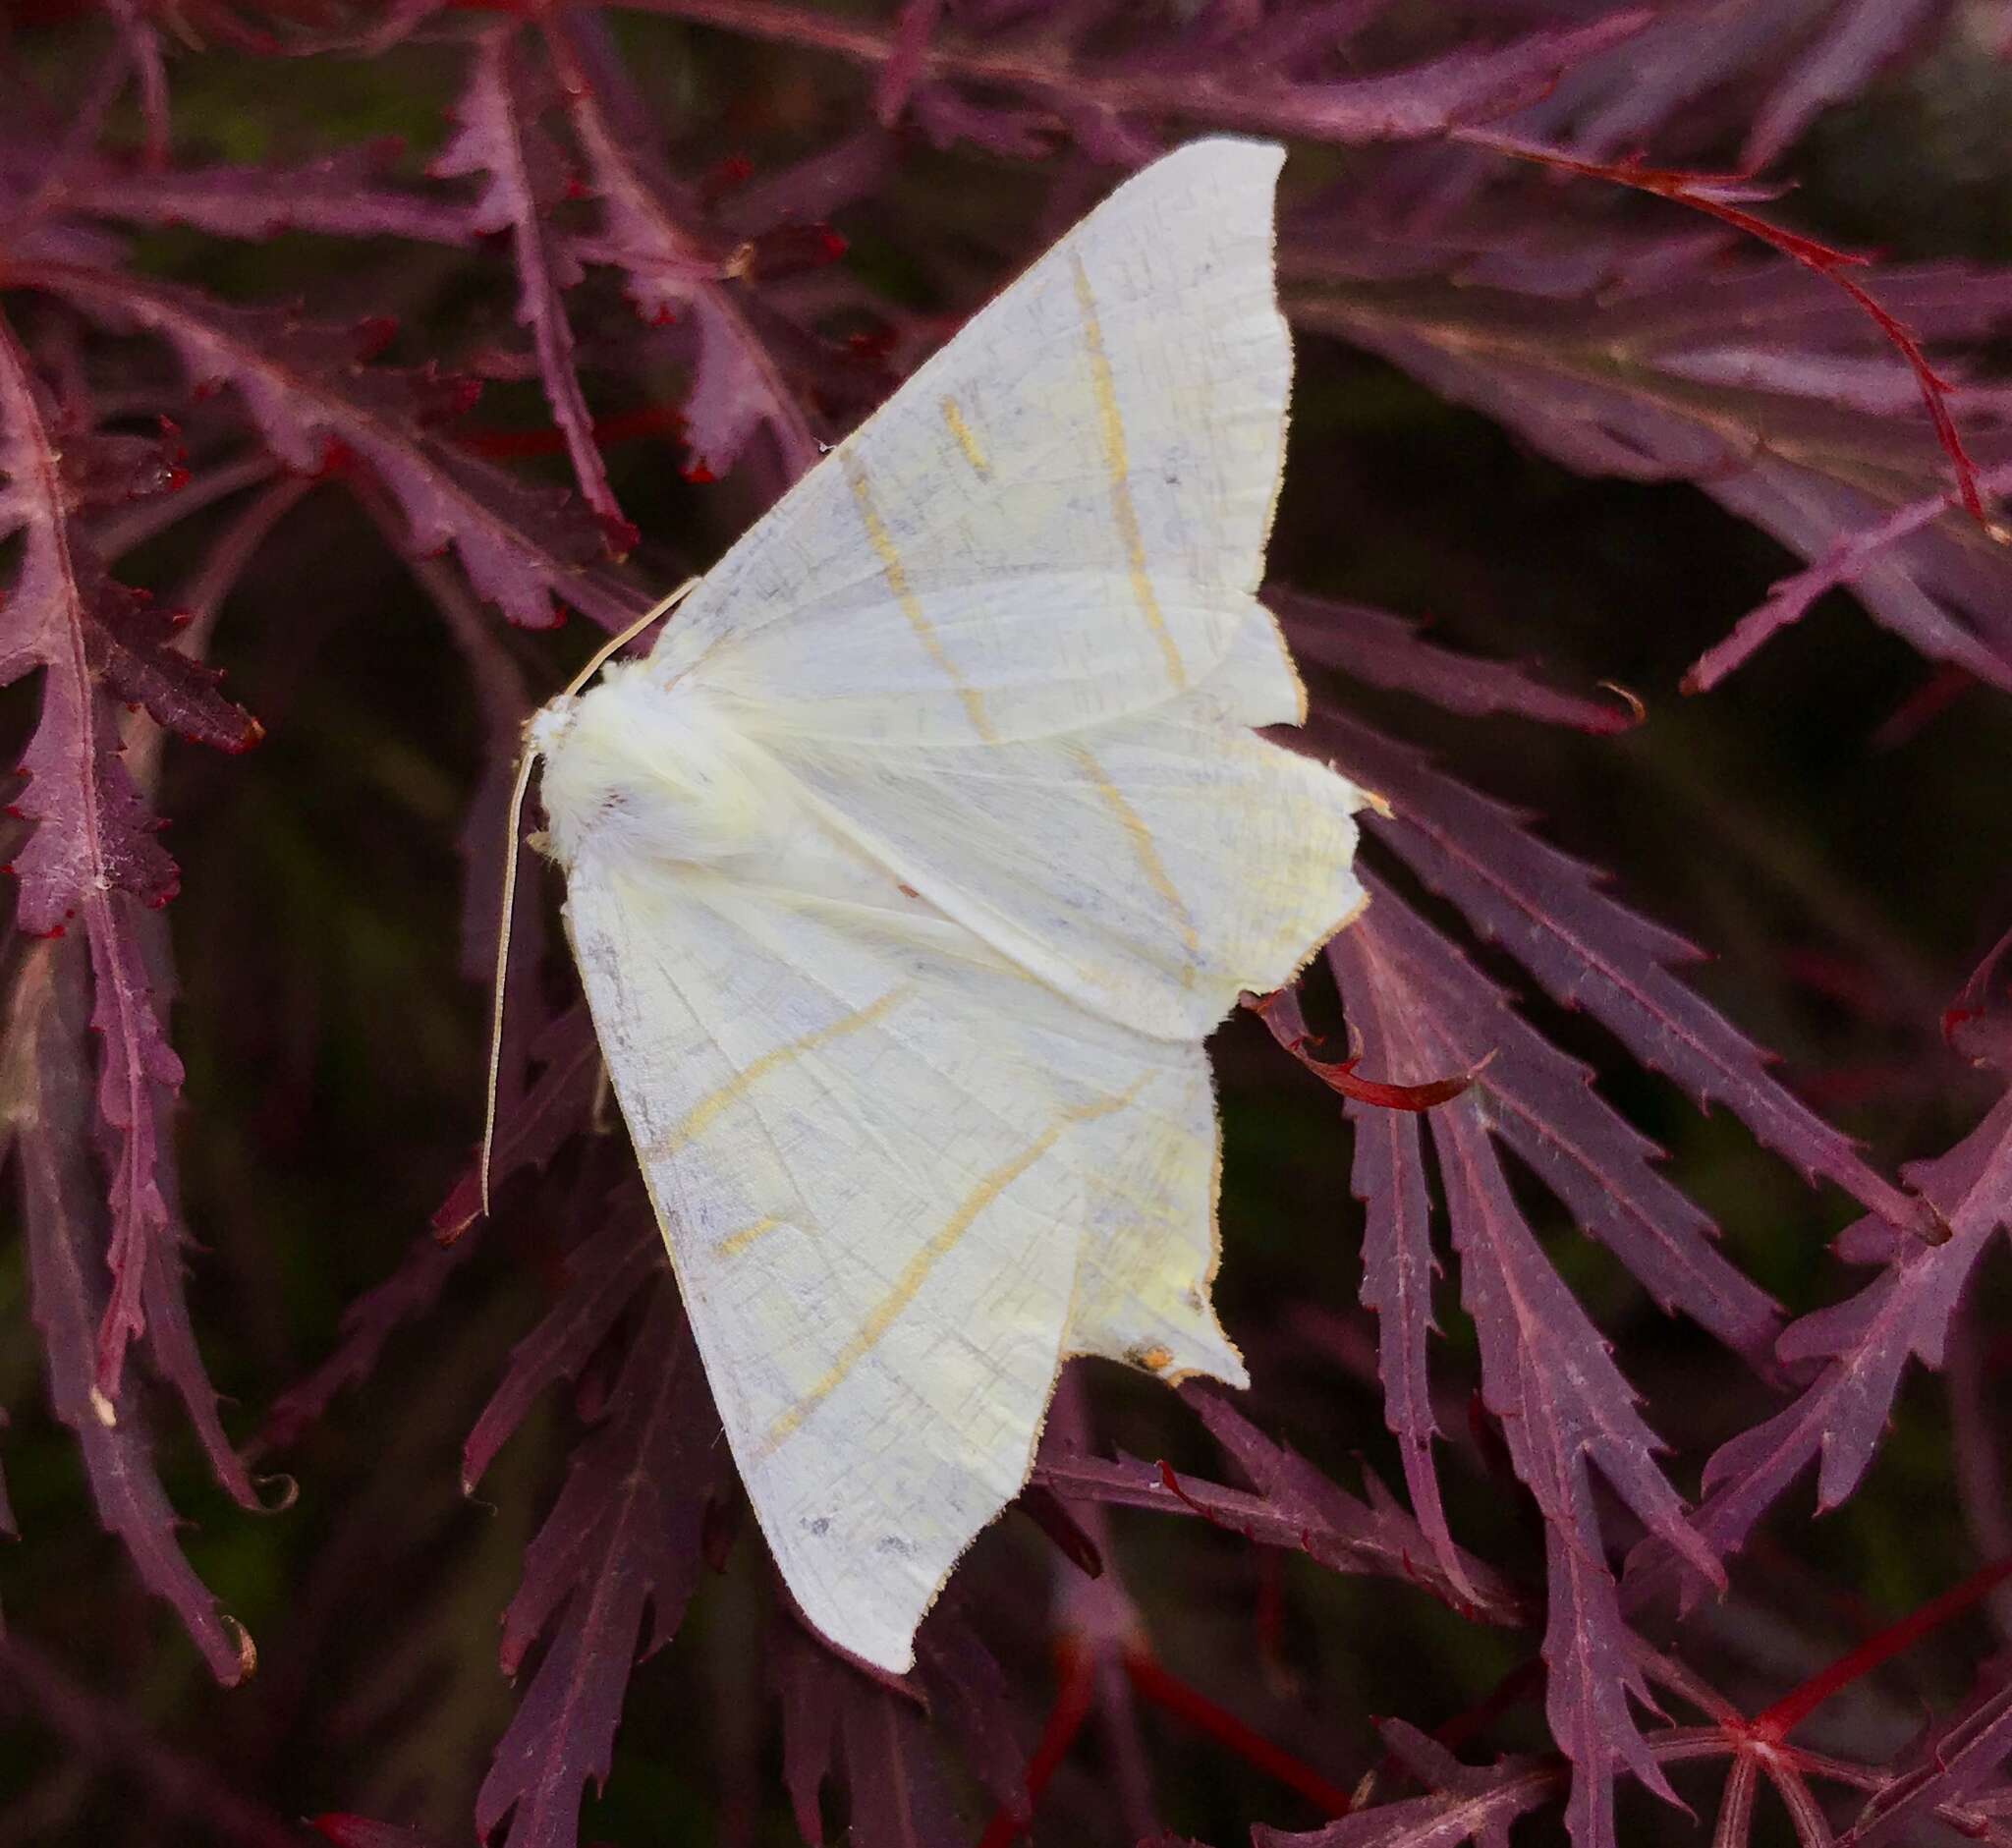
[{"x": 916, "y": 1272}]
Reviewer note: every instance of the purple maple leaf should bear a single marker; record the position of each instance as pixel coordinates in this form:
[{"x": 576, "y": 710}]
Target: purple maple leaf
[
  {"x": 676, "y": 266},
  {"x": 1411, "y": 990},
  {"x": 1296, "y": 1508},
  {"x": 94, "y": 852},
  {"x": 1267, "y": 79},
  {"x": 1787, "y": 405},
  {"x": 1950, "y": 1767},
  {"x": 314, "y": 404},
  {"x": 1387, "y": 650},
  {"x": 1864, "y": 1344},
  {"x": 873, "y": 1733},
  {"x": 1546, "y": 1372},
  {"x": 47, "y": 1124},
  {"x": 1799, "y": 55},
  {"x": 1548, "y": 1376},
  {"x": 498, "y": 134},
  {"x": 621, "y": 1545},
  {"x": 1546, "y": 909},
  {"x": 1463, "y": 1802}
]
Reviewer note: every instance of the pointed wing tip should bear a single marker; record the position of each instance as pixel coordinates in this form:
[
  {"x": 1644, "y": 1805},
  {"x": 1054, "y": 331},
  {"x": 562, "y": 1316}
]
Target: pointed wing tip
[
  {"x": 1221, "y": 1363},
  {"x": 878, "y": 1637},
  {"x": 1230, "y": 162},
  {"x": 1257, "y": 154},
  {"x": 1242, "y": 173},
  {"x": 890, "y": 1653},
  {"x": 1175, "y": 1356}
]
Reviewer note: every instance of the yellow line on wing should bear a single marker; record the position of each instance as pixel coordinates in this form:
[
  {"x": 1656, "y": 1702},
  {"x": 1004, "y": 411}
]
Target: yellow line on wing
[
  {"x": 1144, "y": 850},
  {"x": 966, "y": 441},
  {"x": 709, "y": 1111},
  {"x": 735, "y": 1243},
  {"x": 896, "y": 574},
  {"x": 916, "y": 1272},
  {"x": 1112, "y": 429}
]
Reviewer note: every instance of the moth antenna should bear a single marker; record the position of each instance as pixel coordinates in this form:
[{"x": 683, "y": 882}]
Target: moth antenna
[{"x": 525, "y": 764}]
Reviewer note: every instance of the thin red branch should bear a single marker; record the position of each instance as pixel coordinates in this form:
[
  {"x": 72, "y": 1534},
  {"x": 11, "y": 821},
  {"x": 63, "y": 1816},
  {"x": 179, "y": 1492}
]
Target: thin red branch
[
  {"x": 1795, "y": 1707},
  {"x": 1174, "y": 1696},
  {"x": 1187, "y": 1501},
  {"x": 1714, "y": 194},
  {"x": 1073, "y": 1696},
  {"x": 625, "y": 426},
  {"x": 1517, "y": 1686},
  {"x": 1921, "y": 707}
]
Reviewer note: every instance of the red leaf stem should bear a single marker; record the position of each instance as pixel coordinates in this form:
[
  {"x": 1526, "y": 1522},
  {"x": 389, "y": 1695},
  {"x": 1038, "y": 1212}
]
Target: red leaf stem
[
  {"x": 1776, "y": 1723},
  {"x": 1174, "y": 1696},
  {"x": 1714, "y": 195},
  {"x": 624, "y": 427},
  {"x": 1075, "y": 1687}
]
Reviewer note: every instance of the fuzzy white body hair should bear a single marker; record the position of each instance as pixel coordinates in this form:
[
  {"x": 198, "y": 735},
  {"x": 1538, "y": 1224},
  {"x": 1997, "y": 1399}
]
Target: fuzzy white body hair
[{"x": 639, "y": 770}]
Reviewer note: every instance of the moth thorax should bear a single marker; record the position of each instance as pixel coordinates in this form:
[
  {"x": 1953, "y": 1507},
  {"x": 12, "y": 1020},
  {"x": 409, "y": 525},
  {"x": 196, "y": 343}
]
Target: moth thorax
[{"x": 635, "y": 768}]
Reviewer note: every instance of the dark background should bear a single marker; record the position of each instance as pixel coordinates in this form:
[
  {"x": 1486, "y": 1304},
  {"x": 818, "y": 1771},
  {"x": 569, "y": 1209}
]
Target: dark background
[{"x": 1835, "y": 841}]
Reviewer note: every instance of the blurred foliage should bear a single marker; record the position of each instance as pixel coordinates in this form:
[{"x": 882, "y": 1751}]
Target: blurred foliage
[{"x": 1845, "y": 878}]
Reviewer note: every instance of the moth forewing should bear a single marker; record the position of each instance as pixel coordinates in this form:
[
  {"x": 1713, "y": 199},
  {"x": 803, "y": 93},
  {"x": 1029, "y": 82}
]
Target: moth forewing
[{"x": 909, "y": 872}]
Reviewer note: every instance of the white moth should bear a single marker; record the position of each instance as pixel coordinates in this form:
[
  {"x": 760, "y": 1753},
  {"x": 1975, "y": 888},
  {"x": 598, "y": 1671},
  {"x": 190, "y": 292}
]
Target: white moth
[{"x": 908, "y": 874}]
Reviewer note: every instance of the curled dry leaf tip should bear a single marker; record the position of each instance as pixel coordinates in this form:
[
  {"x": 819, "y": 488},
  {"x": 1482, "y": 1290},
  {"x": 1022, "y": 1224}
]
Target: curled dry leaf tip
[{"x": 1638, "y": 710}]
